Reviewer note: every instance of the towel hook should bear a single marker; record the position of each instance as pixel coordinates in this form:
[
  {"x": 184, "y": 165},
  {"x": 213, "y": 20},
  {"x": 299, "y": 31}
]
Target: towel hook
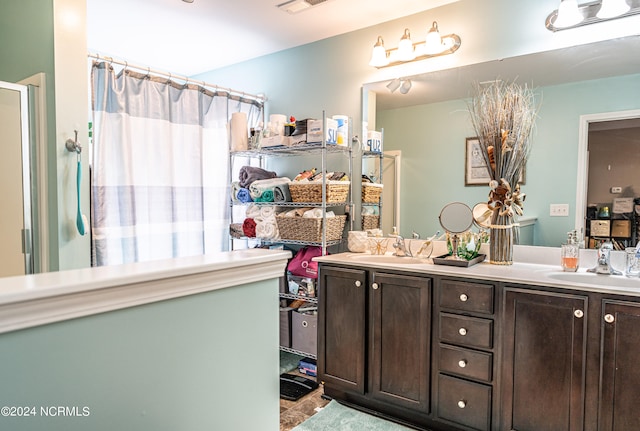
[{"x": 73, "y": 145}]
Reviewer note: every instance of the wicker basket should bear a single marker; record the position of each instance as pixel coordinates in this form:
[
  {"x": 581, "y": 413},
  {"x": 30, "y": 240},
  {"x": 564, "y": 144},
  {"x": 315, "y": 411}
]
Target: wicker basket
[
  {"x": 311, "y": 192},
  {"x": 310, "y": 229},
  {"x": 370, "y": 222},
  {"x": 371, "y": 193}
]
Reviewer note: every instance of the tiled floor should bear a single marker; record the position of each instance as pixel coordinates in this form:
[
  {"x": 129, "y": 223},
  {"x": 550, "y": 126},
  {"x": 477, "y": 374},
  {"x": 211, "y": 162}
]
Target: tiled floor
[{"x": 293, "y": 413}]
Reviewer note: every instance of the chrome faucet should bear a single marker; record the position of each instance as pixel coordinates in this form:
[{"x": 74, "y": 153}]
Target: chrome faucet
[
  {"x": 401, "y": 249},
  {"x": 603, "y": 266}
]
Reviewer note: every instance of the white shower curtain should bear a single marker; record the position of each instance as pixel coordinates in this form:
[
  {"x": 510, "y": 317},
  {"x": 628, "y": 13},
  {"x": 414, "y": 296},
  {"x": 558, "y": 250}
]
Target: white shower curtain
[{"x": 159, "y": 166}]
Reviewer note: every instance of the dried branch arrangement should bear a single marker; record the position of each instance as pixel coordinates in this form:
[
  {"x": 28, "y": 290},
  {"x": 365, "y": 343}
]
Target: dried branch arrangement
[{"x": 503, "y": 116}]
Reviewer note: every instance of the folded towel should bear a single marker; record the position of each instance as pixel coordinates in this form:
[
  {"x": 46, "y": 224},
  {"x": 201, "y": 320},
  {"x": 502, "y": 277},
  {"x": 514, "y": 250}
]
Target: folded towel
[
  {"x": 281, "y": 193},
  {"x": 253, "y": 211},
  {"x": 243, "y": 195},
  {"x": 265, "y": 196},
  {"x": 249, "y": 174},
  {"x": 235, "y": 186},
  {"x": 235, "y": 230},
  {"x": 258, "y": 187},
  {"x": 267, "y": 211},
  {"x": 249, "y": 227},
  {"x": 296, "y": 212},
  {"x": 267, "y": 228},
  {"x": 317, "y": 213}
]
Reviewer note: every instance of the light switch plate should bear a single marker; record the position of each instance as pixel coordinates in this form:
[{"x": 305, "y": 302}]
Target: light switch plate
[{"x": 559, "y": 210}]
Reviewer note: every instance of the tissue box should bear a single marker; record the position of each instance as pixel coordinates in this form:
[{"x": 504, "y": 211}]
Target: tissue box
[{"x": 314, "y": 131}]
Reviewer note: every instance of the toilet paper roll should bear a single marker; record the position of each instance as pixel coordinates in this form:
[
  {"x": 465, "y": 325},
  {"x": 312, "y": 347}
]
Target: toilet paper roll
[
  {"x": 239, "y": 132},
  {"x": 277, "y": 123}
]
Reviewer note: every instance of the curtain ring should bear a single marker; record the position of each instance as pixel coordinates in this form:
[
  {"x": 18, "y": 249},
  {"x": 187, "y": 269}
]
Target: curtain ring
[
  {"x": 169, "y": 80},
  {"x": 148, "y": 73}
]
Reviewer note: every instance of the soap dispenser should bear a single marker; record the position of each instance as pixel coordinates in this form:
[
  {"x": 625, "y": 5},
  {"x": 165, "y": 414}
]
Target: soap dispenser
[{"x": 570, "y": 253}]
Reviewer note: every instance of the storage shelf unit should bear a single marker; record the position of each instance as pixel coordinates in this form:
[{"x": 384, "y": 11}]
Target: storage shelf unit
[{"x": 322, "y": 150}]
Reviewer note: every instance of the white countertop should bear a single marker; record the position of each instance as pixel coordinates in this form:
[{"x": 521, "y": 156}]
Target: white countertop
[
  {"x": 42, "y": 298},
  {"x": 532, "y": 266}
]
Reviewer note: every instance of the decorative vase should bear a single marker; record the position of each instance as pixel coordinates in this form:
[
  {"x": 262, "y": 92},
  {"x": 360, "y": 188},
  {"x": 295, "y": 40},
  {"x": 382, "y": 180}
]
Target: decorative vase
[{"x": 501, "y": 239}]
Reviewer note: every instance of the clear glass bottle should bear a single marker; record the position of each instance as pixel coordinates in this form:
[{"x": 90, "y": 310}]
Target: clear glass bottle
[{"x": 570, "y": 253}]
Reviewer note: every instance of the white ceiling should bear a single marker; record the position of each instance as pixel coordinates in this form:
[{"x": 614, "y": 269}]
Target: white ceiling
[{"x": 191, "y": 38}]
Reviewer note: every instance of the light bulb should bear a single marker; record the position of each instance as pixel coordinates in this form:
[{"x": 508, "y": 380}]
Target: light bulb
[
  {"x": 568, "y": 14},
  {"x": 612, "y": 8},
  {"x": 405, "y": 47}
]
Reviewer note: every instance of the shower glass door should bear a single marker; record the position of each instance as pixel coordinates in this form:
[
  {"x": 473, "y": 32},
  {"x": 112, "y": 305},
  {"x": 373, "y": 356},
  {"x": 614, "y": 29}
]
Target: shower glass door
[{"x": 15, "y": 182}]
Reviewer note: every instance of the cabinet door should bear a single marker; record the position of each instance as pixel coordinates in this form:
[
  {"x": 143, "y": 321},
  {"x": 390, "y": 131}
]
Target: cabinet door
[
  {"x": 544, "y": 361},
  {"x": 400, "y": 340},
  {"x": 620, "y": 372},
  {"x": 341, "y": 328}
]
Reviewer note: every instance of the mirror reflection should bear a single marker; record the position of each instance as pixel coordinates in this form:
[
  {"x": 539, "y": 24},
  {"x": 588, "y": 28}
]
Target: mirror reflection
[{"x": 429, "y": 126}]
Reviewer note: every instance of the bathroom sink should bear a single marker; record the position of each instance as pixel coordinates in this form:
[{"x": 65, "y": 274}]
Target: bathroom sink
[
  {"x": 595, "y": 279},
  {"x": 387, "y": 258}
]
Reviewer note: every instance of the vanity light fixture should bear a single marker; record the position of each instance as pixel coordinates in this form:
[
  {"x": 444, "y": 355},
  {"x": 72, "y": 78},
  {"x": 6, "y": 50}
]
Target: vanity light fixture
[
  {"x": 570, "y": 15},
  {"x": 434, "y": 46}
]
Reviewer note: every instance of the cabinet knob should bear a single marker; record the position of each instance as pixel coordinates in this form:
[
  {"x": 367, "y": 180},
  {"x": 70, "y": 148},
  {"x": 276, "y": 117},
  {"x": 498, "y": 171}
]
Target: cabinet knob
[
  {"x": 462, "y": 331},
  {"x": 462, "y": 363},
  {"x": 578, "y": 314},
  {"x": 463, "y": 297},
  {"x": 609, "y": 318},
  {"x": 358, "y": 283},
  {"x": 462, "y": 404},
  {"x": 375, "y": 286}
]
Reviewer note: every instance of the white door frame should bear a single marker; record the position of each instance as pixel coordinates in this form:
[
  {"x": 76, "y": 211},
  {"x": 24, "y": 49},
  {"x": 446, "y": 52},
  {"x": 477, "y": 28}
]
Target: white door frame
[{"x": 583, "y": 157}]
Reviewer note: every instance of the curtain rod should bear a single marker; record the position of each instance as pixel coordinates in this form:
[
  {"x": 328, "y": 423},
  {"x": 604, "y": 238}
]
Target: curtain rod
[{"x": 186, "y": 79}]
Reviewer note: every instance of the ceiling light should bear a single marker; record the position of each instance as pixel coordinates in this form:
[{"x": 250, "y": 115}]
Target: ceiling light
[
  {"x": 406, "y": 86},
  {"x": 612, "y": 8},
  {"x": 379, "y": 55},
  {"x": 294, "y": 6},
  {"x": 434, "y": 45},
  {"x": 569, "y": 14},
  {"x": 394, "y": 84}
]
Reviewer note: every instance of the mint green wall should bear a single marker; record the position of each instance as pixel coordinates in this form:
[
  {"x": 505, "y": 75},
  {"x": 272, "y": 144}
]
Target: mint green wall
[
  {"x": 432, "y": 140},
  {"x": 26, "y": 48},
  {"x": 203, "y": 362}
]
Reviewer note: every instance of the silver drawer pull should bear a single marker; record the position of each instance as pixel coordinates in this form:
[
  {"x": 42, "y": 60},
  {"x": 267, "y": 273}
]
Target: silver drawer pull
[
  {"x": 578, "y": 314},
  {"x": 462, "y": 404},
  {"x": 375, "y": 286},
  {"x": 463, "y": 297},
  {"x": 462, "y": 331},
  {"x": 358, "y": 283},
  {"x": 462, "y": 363},
  {"x": 609, "y": 318}
]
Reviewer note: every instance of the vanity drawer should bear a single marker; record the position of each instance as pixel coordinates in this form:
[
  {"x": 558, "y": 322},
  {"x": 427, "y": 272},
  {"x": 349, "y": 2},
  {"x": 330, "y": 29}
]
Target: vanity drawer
[
  {"x": 464, "y": 403},
  {"x": 466, "y": 331},
  {"x": 465, "y": 296},
  {"x": 466, "y": 363}
]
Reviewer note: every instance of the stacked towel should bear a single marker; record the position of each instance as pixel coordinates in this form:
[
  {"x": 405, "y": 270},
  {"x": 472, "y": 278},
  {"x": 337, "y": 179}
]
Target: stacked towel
[
  {"x": 249, "y": 174},
  {"x": 236, "y": 230},
  {"x": 307, "y": 212},
  {"x": 249, "y": 227},
  {"x": 264, "y": 217},
  {"x": 281, "y": 193},
  {"x": 239, "y": 194},
  {"x": 265, "y": 196},
  {"x": 258, "y": 187}
]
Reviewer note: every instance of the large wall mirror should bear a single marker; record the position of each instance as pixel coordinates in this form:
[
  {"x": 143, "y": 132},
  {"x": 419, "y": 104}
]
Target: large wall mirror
[{"x": 430, "y": 123}]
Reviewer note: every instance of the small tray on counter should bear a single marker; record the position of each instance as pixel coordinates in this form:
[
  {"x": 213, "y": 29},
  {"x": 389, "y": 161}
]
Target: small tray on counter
[{"x": 442, "y": 260}]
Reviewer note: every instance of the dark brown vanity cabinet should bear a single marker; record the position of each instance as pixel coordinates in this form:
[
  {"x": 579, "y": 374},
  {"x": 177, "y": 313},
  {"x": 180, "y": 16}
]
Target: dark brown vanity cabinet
[
  {"x": 620, "y": 380},
  {"x": 544, "y": 367},
  {"x": 374, "y": 338},
  {"x": 465, "y": 353}
]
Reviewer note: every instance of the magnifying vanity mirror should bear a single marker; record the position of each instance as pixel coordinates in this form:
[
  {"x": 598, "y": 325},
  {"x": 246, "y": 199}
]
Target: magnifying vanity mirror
[{"x": 455, "y": 218}]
